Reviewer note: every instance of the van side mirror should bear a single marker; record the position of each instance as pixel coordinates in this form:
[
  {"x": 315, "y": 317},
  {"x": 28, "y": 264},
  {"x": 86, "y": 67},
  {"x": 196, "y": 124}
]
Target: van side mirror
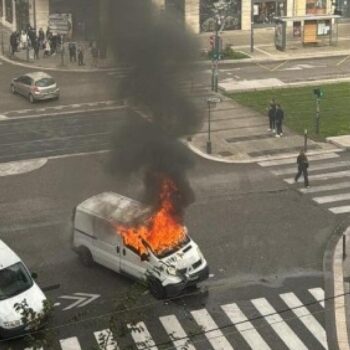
[{"x": 34, "y": 275}]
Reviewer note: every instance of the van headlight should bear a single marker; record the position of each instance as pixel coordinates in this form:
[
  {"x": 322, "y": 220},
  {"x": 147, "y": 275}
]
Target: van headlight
[
  {"x": 171, "y": 271},
  {"x": 12, "y": 324}
]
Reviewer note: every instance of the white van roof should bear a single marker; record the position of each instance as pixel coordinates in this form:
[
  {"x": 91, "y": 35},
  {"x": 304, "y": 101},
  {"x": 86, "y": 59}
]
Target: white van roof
[
  {"x": 114, "y": 208},
  {"x": 7, "y": 256}
]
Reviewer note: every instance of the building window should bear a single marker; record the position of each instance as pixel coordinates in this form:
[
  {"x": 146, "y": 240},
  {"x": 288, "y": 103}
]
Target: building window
[
  {"x": 8, "y": 11},
  {"x": 316, "y": 7},
  {"x": 229, "y": 12},
  {"x": 265, "y": 11}
]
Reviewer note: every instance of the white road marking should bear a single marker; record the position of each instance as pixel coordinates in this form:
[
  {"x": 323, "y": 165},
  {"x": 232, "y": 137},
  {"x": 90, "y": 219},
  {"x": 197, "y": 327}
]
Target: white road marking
[
  {"x": 70, "y": 344},
  {"x": 332, "y": 198},
  {"x": 274, "y": 162},
  {"x": 340, "y": 210},
  {"x": 324, "y": 188},
  {"x": 313, "y": 167},
  {"x": 247, "y": 330},
  {"x": 3, "y": 117},
  {"x": 141, "y": 336},
  {"x": 211, "y": 329},
  {"x": 21, "y": 167},
  {"x": 325, "y": 176},
  {"x": 318, "y": 294},
  {"x": 304, "y": 315},
  {"x": 176, "y": 332},
  {"x": 106, "y": 340},
  {"x": 277, "y": 323}
]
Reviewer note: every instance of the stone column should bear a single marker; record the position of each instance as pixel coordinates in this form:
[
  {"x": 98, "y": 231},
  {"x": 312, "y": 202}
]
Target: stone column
[
  {"x": 14, "y": 18},
  {"x": 246, "y": 14},
  {"x": 192, "y": 19}
]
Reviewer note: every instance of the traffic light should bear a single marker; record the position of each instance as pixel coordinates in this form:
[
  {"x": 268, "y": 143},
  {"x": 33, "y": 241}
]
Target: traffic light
[{"x": 318, "y": 93}]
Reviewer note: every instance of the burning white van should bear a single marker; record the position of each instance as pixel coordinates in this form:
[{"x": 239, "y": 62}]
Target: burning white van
[{"x": 126, "y": 236}]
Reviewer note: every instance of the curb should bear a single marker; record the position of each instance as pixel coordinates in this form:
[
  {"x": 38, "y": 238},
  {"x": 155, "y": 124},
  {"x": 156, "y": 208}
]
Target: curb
[
  {"x": 204, "y": 155},
  {"x": 53, "y": 69},
  {"x": 335, "y": 310}
]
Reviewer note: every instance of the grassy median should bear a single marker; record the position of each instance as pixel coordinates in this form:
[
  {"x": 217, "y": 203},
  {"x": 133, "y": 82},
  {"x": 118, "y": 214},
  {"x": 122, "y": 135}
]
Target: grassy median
[{"x": 299, "y": 105}]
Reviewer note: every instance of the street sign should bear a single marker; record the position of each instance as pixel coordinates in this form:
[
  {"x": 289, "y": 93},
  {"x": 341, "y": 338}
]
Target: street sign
[{"x": 81, "y": 300}]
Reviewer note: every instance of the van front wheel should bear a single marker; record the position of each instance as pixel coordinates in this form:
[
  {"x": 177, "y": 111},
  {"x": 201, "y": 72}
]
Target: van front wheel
[
  {"x": 156, "y": 288},
  {"x": 85, "y": 256}
]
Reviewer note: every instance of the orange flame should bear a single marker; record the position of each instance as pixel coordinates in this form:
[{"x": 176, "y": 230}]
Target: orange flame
[{"x": 163, "y": 230}]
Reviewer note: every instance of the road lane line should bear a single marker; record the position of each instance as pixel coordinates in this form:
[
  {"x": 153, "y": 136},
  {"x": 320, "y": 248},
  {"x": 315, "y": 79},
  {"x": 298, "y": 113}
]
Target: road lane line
[
  {"x": 246, "y": 329},
  {"x": 176, "y": 332},
  {"x": 324, "y": 188},
  {"x": 211, "y": 330},
  {"x": 318, "y": 294},
  {"x": 267, "y": 163},
  {"x": 141, "y": 336},
  {"x": 304, "y": 315},
  {"x": 313, "y": 167},
  {"x": 332, "y": 198},
  {"x": 290, "y": 339},
  {"x": 106, "y": 340},
  {"x": 325, "y": 176},
  {"x": 70, "y": 344},
  {"x": 340, "y": 210}
]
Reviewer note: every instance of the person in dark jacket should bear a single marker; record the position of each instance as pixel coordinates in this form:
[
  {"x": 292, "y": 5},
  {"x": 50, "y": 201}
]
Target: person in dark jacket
[
  {"x": 303, "y": 165},
  {"x": 13, "y": 43},
  {"x": 279, "y": 120},
  {"x": 271, "y": 111}
]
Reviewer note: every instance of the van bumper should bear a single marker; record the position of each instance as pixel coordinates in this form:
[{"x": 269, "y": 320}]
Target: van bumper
[{"x": 175, "y": 289}]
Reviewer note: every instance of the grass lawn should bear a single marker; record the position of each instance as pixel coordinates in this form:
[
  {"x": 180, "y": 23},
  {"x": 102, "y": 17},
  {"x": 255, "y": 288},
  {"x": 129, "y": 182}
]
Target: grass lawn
[{"x": 299, "y": 105}]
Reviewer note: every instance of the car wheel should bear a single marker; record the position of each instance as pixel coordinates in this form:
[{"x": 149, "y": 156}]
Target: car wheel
[
  {"x": 156, "y": 288},
  {"x": 31, "y": 98},
  {"x": 85, "y": 256},
  {"x": 13, "y": 89}
]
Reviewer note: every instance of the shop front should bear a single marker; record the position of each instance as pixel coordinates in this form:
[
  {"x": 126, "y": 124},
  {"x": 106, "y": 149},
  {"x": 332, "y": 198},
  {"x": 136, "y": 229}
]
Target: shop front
[{"x": 264, "y": 11}]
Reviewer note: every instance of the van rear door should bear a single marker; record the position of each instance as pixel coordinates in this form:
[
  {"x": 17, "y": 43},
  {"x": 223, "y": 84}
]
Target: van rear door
[{"x": 107, "y": 245}]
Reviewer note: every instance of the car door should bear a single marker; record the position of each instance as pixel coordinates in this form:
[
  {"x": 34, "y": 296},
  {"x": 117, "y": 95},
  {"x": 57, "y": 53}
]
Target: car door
[
  {"x": 132, "y": 264},
  {"x": 19, "y": 85},
  {"x": 107, "y": 245},
  {"x": 27, "y": 83}
]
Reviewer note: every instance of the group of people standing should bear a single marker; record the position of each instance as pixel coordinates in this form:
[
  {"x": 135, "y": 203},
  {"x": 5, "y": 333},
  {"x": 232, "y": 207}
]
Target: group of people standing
[{"x": 276, "y": 116}]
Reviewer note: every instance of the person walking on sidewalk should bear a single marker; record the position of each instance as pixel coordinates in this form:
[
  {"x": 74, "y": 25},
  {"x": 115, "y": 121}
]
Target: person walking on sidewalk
[
  {"x": 80, "y": 56},
  {"x": 279, "y": 120},
  {"x": 271, "y": 110},
  {"x": 303, "y": 165}
]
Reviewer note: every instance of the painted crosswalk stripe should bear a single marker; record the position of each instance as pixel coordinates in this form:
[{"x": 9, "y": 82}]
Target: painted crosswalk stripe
[
  {"x": 176, "y": 333},
  {"x": 304, "y": 315},
  {"x": 106, "y": 340},
  {"x": 33, "y": 349},
  {"x": 313, "y": 167},
  {"x": 332, "y": 198},
  {"x": 141, "y": 336},
  {"x": 325, "y": 176},
  {"x": 246, "y": 329},
  {"x": 318, "y": 294},
  {"x": 340, "y": 210},
  {"x": 324, "y": 188},
  {"x": 292, "y": 160},
  {"x": 212, "y": 331},
  {"x": 70, "y": 344},
  {"x": 277, "y": 323}
]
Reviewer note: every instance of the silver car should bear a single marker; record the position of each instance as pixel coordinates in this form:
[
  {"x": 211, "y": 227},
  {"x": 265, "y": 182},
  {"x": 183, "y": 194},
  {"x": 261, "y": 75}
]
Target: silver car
[{"x": 36, "y": 86}]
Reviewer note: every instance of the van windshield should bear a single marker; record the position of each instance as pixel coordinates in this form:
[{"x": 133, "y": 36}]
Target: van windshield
[
  {"x": 166, "y": 252},
  {"x": 14, "y": 280}
]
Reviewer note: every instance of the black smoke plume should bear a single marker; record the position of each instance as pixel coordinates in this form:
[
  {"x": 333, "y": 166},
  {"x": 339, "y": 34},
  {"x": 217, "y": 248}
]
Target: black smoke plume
[{"x": 159, "y": 54}]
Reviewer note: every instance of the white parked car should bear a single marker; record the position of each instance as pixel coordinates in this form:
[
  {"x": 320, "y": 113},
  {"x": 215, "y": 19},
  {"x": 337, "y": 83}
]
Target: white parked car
[
  {"x": 95, "y": 239},
  {"x": 16, "y": 285}
]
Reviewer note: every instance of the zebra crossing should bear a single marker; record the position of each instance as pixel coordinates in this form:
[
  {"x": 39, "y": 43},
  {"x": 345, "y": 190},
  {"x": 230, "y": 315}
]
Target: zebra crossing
[
  {"x": 254, "y": 324},
  {"x": 329, "y": 176}
]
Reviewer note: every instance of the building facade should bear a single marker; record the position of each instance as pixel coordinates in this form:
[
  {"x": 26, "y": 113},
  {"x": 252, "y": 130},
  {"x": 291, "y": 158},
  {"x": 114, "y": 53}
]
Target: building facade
[{"x": 89, "y": 16}]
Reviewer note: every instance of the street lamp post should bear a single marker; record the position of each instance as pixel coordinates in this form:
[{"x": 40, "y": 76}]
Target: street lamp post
[
  {"x": 252, "y": 26},
  {"x": 211, "y": 101}
]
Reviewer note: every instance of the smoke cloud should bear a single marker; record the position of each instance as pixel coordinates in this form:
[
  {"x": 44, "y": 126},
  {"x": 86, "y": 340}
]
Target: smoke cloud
[{"x": 159, "y": 54}]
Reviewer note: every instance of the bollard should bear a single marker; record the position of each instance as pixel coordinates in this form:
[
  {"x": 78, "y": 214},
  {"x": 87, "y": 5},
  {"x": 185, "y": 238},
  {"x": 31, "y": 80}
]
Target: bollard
[
  {"x": 305, "y": 140},
  {"x": 344, "y": 247}
]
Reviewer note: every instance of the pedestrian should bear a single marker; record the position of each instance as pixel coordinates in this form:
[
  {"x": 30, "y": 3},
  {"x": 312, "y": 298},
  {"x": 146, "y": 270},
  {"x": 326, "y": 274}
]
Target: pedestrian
[
  {"x": 279, "y": 120},
  {"x": 94, "y": 54},
  {"x": 72, "y": 52},
  {"x": 41, "y": 38},
  {"x": 303, "y": 165},
  {"x": 47, "y": 49},
  {"x": 13, "y": 43},
  {"x": 272, "y": 115},
  {"x": 80, "y": 57},
  {"x": 36, "y": 47}
]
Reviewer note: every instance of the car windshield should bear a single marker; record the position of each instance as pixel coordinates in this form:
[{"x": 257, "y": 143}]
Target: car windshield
[
  {"x": 14, "y": 280},
  {"x": 44, "y": 82}
]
